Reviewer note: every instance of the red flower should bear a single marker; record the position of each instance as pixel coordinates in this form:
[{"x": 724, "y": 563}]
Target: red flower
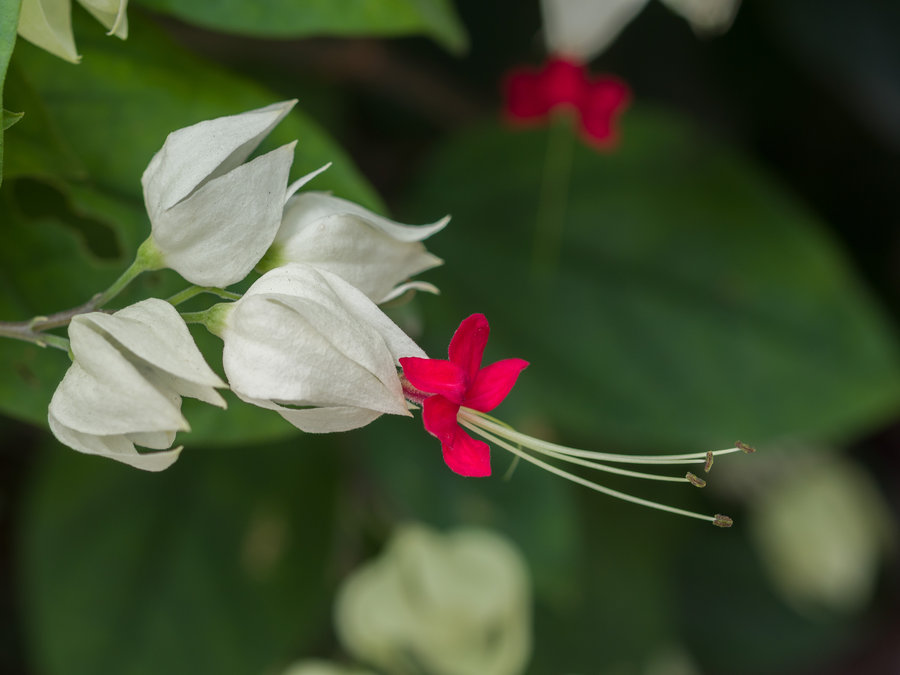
[
  {"x": 462, "y": 382},
  {"x": 532, "y": 95}
]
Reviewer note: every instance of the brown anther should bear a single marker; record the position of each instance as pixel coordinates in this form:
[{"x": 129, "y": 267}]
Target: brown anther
[
  {"x": 743, "y": 446},
  {"x": 722, "y": 521},
  {"x": 695, "y": 480},
  {"x": 709, "y": 461}
]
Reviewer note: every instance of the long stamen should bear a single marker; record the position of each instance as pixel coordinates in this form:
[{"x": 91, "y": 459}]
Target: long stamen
[
  {"x": 465, "y": 421},
  {"x": 488, "y": 423}
]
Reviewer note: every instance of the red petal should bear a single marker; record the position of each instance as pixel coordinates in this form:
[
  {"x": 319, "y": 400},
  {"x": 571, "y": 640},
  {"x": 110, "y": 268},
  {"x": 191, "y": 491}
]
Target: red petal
[
  {"x": 603, "y": 101},
  {"x": 467, "y": 456},
  {"x": 524, "y": 96},
  {"x": 467, "y": 345},
  {"x": 564, "y": 82},
  {"x": 493, "y": 383},
  {"x": 439, "y": 418},
  {"x": 462, "y": 453},
  {"x": 435, "y": 377}
]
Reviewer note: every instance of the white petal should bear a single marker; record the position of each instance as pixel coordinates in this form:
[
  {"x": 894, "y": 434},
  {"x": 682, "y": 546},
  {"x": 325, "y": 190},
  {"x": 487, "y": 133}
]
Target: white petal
[
  {"x": 218, "y": 234},
  {"x": 300, "y": 280},
  {"x": 583, "y": 28},
  {"x": 706, "y": 16},
  {"x": 409, "y": 288},
  {"x": 115, "y": 447},
  {"x": 311, "y": 206},
  {"x": 154, "y": 332},
  {"x": 300, "y": 182},
  {"x": 196, "y": 154},
  {"x": 48, "y": 24},
  {"x": 355, "y": 248},
  {"x": 297, "y": 351},
  {"x": 111, "y": 13},
  {"x": 103, "y": 393},
  {"x": 326, "y": 420}
]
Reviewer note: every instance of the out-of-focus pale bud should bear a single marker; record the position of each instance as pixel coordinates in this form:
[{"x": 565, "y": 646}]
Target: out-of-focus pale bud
[
  {"x": 111, "y": 13},
  {"x": 706, "y": 16},
  {"x": 581, "y": 29},
  {"x": 48, "y": 24},
  {"x": 213, "y": 216},
  {"x": 323, "y": 668},
  {"x": 373, "y": 253},
  {"x": 125, "y": 385},
  {"x": 431, "y": 600},
  {"x": 308, "y": 344},
  {"x": 822, "y": 530}
]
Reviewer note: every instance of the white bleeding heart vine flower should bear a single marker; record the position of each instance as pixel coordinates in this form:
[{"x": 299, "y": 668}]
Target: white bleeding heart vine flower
[{"x": 371, "y": 252}]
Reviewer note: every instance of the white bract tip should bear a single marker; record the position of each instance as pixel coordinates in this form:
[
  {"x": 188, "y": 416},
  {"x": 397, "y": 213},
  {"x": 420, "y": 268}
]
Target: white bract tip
[
  {"x": 125, "y": 385},
  {"x": 371, "y": 252},
  {"x": 48, "y": 25},
  {"x": 213, "y": 216},
  {"x": 308, "y": 344}
]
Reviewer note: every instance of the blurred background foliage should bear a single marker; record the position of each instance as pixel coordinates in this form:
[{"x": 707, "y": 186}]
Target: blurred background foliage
[{"x": 729, "y": 271}]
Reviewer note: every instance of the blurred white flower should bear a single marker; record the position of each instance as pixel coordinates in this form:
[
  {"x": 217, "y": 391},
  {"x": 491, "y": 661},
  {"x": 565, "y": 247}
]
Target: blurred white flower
[
  {"x": 125, "y": 385},
  {"x": 373, "y": 253},
  {"x": 581, "y": 29},
  {"x": 454, "y": 604},
  {"x": 822, "y": 530},
  {"x": 48, "y": 23},
  {"x": 323, "y": 668},
  {"x": 213, "y": 216},
  {"x": 308, "y": 344}
]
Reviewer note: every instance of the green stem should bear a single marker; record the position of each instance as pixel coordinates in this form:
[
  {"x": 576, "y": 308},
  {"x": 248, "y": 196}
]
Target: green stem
[
  {"x": 148, "y": 258},
  {"x": 193, "y": 291},
  {"x": 551, "y": 212}
]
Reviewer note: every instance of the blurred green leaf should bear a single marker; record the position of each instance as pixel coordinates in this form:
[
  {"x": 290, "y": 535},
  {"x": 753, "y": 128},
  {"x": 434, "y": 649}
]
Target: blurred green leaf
[
  {"x": 9, "y": 21},
  {"x": 694, "y": 302},
  {"x": 118, "y": 105},
  {"x": 10, "y": 118},
  {"x": 290, "y": 18},
  {"x": 37, "y": 148},
  {"x": 217, "y": 565}
]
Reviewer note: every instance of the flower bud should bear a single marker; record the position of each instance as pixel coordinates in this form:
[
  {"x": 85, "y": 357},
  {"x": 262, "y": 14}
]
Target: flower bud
[
  {"x": 213, "y": 216},
  {"x": 125, "y": 385},
  {"x": 373, "y": 253},
  {"x": 306, "y": 343},
  {"x": 433, "y": 600}
]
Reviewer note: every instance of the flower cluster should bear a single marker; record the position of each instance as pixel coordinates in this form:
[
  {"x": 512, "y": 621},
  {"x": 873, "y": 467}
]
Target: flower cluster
[{"x": 306, "y": 340}]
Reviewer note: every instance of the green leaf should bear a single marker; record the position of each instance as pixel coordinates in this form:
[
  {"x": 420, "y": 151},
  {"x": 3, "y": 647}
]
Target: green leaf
[
  {"x": 9, "y": 20},
  {"x": 290, "y": 18},
  {"x": 694, "y": 302},
  {"x": 117, "y": 107},
  {"x": 10, "y": 118},
  {"x": 216, "y": 565}
]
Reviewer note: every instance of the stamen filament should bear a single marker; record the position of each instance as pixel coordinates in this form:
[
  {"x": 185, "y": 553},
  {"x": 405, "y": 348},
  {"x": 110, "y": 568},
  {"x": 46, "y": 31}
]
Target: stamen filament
[
  {"x": 488, "y": 423},
  {"x": 612, "y": 469},
  {"x": 465, "y": 422}
]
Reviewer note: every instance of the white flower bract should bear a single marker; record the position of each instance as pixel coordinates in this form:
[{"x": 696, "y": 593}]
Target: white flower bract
[
  {"x": 125, "y": 385},
  {"x": 310, "y": 345},
  {"x": 48, "y": 23},
  {"x": 581, "y": 29},
  {"x": 371, "y": 252},
  {"x": 213, "y": 216}
]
